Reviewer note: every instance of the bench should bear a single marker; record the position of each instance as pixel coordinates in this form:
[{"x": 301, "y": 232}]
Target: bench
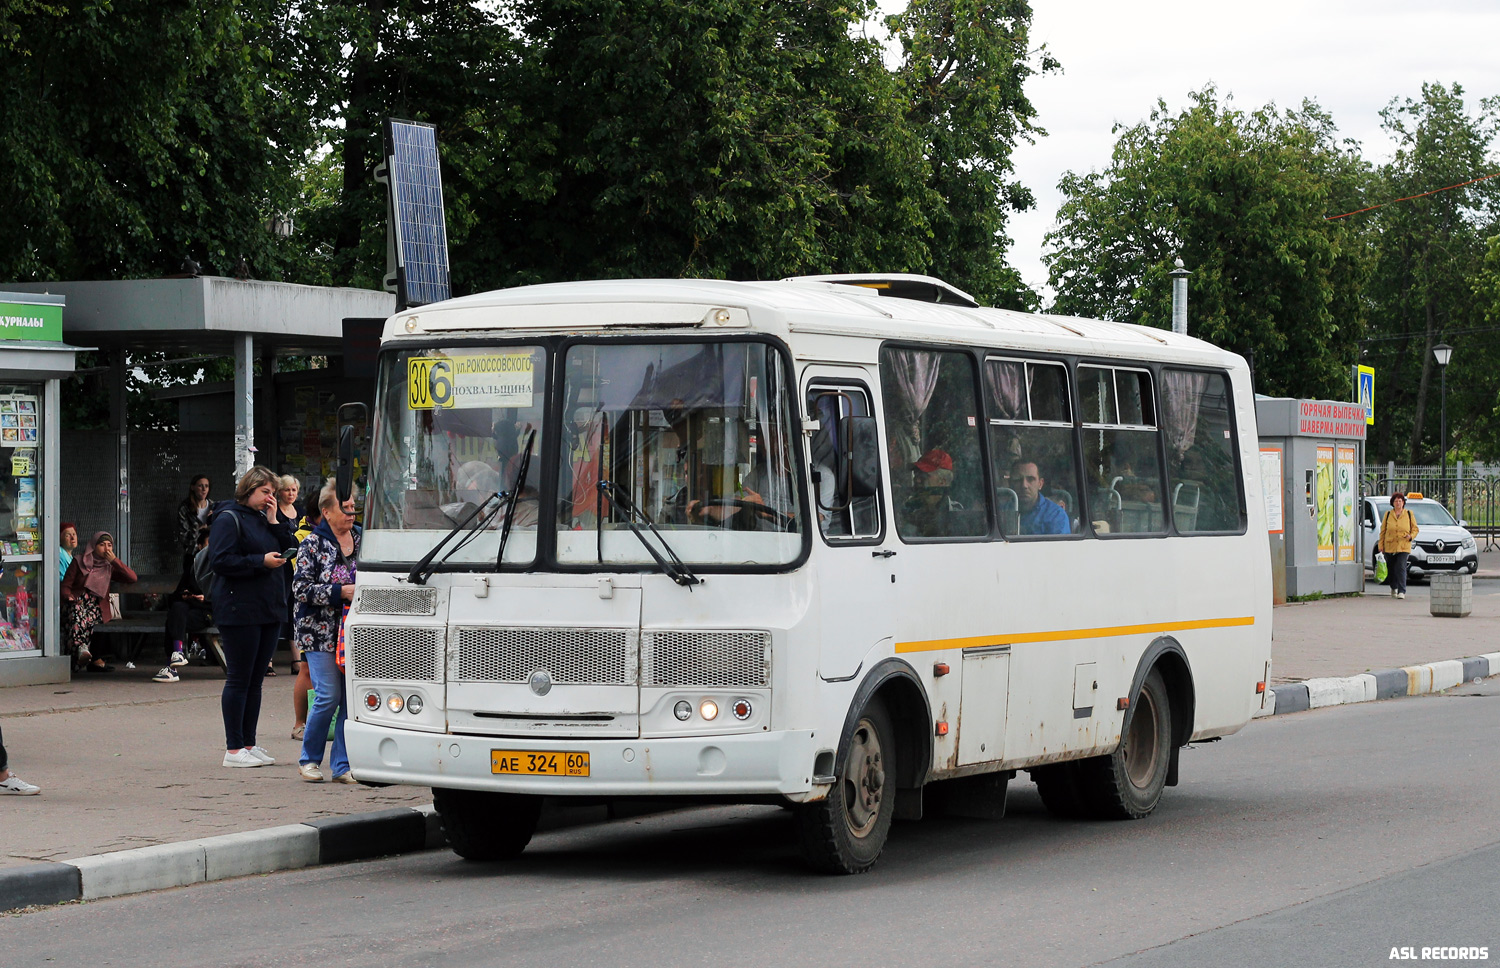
[{"x": 139, "y": 627}]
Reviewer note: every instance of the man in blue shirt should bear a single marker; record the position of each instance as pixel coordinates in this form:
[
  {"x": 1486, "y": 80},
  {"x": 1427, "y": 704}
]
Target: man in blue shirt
[{"x": 1038, "y": 514}]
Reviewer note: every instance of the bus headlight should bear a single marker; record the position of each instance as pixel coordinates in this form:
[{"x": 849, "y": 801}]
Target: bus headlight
[
  {"x": 741, "y": 709},
  {"x": 682, "y": 710},
  {"x": 395, "y": 703},
  {"x": 372, "y": 701},
  {"x": 709, "y": 710},
  {"x": 414, "y": 704}
]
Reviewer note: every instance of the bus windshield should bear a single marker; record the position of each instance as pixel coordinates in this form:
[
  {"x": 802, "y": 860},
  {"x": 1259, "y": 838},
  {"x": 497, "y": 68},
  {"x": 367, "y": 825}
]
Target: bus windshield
[
  {"x": 697, "y": 435},
  {"x": 451, "y": 426}
]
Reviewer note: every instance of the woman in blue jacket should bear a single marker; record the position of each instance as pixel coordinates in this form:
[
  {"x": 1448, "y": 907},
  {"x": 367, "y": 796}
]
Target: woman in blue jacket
[{"x": 245, "y": 543}]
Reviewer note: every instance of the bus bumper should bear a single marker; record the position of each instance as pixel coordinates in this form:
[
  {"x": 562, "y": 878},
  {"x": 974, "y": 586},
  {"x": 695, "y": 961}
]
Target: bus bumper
[{"x": 740, "y": 764}]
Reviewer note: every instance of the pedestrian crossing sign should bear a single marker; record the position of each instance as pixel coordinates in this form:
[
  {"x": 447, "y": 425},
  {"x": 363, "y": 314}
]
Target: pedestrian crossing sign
[{"x": 1366, "y": 392}]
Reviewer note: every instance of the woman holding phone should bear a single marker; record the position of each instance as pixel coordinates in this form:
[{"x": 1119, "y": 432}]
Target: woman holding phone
[{"x": 245, "y": 545}]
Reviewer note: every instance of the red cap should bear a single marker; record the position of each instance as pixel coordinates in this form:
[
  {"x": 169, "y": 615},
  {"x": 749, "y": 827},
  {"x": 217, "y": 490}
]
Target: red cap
[{"x": 935, "y": 459}]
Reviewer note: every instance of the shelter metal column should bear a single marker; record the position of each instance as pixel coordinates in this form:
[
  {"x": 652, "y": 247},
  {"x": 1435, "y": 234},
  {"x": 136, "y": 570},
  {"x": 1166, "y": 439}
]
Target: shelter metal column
[
  {"x": 244, "y": 403},
  {"x": 51, "y": 604},
  {"x": 119, "y": 416}
]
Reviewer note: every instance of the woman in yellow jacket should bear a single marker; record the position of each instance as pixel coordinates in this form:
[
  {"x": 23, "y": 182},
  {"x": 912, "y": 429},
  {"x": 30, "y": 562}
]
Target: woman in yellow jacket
[{"x": 1397, "y": 531}]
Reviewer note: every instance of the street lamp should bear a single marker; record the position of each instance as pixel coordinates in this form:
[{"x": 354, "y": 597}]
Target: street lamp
[{"x": 1443, "y": 353}]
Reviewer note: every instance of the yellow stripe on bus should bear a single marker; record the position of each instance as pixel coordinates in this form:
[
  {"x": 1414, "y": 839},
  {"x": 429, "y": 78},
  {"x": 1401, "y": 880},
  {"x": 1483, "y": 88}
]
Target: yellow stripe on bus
[{"x": 976, "y": 641}]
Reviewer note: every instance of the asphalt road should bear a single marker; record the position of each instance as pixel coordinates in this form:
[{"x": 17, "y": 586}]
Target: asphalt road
[{"x": 1323, "y": 839}]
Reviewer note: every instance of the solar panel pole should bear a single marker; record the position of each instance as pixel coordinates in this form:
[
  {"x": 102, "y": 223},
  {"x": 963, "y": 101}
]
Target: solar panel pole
[{"x": 244, "y": 402}]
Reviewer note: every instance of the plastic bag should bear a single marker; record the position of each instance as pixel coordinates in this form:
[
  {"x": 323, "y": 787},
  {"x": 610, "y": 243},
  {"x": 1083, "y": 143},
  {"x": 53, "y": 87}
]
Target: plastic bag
[{"x": 1381, "y": 571}]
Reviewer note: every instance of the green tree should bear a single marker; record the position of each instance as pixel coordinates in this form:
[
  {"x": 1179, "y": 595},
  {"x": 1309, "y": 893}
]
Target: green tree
[
  {"x": 1431, "y": 261},
  {"x": 138, "y": 133},
  {"x": 1242, "y": 199}
]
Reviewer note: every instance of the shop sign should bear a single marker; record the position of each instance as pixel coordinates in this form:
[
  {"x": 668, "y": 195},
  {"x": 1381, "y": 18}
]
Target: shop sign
[
  {"x": 31, "y": 322},
  {"x": 1325, "y": 418}
]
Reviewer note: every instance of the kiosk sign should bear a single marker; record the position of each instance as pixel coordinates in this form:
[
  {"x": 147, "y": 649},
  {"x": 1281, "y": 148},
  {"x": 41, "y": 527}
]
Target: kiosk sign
[
  {"x": 1324, "y": 418},
  {"x": 30, "y": 321}
]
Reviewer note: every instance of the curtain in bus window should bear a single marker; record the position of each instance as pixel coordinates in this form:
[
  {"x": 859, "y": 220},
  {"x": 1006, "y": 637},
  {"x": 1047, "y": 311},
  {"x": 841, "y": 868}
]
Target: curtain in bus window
[
  {"x": 915, "y": 375},
  {"x": 1007, "y": 389},
  {"x": 1201, "y": 476},
  {"x": 936, "y": 475}
]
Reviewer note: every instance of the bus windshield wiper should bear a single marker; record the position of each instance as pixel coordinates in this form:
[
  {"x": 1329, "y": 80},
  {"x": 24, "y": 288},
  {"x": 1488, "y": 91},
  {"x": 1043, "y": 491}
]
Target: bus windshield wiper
[
  {"x": 424, "y": 568},
  {"x": 515, "y": 495},
  {"x": 675, "y": 569}
]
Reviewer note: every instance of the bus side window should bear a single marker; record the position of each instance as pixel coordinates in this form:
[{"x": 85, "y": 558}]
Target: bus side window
[
  {"x": 826, "y": 404},
  {"x": 1119, "y": 450},
  {"x": 1031, "y": 444},
  {"x": 932, "y": 421},
  {"x": 1200, "y": 452}
]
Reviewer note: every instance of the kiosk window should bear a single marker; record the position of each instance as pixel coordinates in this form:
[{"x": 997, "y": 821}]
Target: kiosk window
[{"x": 931, "y": 412}]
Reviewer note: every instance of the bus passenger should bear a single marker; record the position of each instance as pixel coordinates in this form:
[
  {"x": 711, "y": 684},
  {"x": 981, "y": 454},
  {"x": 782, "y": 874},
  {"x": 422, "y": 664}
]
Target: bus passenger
[
  {"x": 929, "y": 511},
  {"x": 1039, "y": 515}
]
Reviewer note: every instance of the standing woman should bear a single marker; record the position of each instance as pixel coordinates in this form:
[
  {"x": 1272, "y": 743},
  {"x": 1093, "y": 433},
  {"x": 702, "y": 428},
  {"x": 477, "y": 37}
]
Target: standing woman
[
  {"x": 85, "y": 589},
  {"x": 324, "y": 582},
  {"x": 249, "y": 604},
  {"x": 192, "y": 514},
  {"x": 287, "y": 488},
  {"x": 1397, "y": 531}
]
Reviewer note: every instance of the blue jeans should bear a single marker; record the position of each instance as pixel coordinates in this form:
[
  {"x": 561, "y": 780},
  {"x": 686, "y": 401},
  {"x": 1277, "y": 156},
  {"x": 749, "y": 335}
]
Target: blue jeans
[
  {"x": 328, "y": 680},
  {"x": 247, "y": 652}
]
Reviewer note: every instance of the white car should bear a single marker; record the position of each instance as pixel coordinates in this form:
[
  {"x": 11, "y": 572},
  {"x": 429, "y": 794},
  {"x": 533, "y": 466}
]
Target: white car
[{"x": 1442, "y": 544}]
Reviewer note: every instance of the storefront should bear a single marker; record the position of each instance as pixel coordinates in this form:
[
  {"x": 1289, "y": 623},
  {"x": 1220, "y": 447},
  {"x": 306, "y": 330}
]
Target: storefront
[{"x": 33, "y": 361}]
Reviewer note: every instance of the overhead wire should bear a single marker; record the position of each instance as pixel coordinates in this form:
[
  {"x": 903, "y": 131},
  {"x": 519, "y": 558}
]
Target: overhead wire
[{"x": 1371, "y": 208}]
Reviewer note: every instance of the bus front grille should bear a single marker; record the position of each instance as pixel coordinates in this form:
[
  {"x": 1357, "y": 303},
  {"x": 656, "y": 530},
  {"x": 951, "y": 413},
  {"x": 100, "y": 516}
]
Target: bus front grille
[
  {"x": 397, "y": 601},
  {"x": 577, "y": 656},
  {"x": 707, "y": 659},
  {"x": 383, "y": 652}
]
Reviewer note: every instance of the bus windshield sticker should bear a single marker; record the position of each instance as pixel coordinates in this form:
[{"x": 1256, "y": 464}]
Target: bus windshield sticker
[{"x": 469, "y": 382}]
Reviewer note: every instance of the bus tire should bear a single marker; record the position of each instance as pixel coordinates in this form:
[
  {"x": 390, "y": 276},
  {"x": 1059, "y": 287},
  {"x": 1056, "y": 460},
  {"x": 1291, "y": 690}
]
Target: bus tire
[
  {"x": 1128, "y": 783},
  {"x": 1058, "y": 786},
  {"x": 487, "y": 826},
  {"x": 845, "y": 832}
]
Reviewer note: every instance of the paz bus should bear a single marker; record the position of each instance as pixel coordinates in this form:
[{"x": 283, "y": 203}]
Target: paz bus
[{"x": 856, "y": 546}]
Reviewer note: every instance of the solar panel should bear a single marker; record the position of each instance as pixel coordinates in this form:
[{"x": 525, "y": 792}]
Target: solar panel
[{"x": 421, "y": 234}]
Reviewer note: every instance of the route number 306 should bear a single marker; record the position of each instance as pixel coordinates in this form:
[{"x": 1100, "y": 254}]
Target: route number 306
[{"x": 429, "y": 383}]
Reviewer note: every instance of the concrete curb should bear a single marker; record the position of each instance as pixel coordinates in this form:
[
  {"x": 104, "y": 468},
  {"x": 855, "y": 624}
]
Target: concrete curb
[
  {"x": 1417, "y": 680},
  {"x": 328, "y": 840}
]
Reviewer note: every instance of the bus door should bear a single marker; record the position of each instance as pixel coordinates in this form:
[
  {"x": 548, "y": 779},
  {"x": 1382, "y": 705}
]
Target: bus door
[{"x": 853, "y": 567}]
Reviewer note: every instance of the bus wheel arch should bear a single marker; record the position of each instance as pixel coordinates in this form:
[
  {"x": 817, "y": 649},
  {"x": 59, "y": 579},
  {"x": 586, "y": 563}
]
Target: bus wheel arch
[
  {"x": 895, "y": 683},
  {"x": 1166, "y": 655}
]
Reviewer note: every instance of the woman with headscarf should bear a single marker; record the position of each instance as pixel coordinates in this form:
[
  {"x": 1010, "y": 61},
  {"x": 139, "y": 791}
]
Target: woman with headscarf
[{"x": 85, "y": 594}]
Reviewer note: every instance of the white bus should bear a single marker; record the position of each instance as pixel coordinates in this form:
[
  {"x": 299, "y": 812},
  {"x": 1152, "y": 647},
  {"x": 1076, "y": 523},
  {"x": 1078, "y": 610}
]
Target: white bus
[{"x": 803, "y": 543}]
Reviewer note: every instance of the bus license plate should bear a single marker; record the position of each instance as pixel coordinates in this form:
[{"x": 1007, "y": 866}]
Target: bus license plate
[
  {"x": 1440, "y": 559},
  {"x": 527, "y": 763}
]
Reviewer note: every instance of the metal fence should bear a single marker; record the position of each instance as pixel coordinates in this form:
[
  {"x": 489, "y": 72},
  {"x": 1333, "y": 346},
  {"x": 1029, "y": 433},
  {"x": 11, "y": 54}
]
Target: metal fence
[{"x": 1474, "y": 500}]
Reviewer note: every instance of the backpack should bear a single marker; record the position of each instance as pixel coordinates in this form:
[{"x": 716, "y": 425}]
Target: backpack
[{"x": 203, "y": 569}]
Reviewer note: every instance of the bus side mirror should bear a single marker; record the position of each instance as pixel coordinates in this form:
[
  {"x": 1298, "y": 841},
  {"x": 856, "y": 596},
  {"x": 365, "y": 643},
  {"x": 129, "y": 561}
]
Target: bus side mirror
[{"x": 864, "y": 457}]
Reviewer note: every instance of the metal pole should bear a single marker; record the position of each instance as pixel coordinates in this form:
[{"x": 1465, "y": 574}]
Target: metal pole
[
  {"x": 244, "y": 403},
  {"x": 1179, "y": 278},
  {"x": 1443, "y": 382}
]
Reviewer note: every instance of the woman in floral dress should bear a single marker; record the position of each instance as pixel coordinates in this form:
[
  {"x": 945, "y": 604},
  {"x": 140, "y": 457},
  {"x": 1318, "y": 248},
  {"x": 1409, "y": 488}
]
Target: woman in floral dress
[{"x": 322, "y": 584}]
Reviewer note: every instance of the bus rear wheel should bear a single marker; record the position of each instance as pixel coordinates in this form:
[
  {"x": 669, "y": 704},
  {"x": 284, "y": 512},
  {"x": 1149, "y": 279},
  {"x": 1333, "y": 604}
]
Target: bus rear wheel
[
  {"x": 845, "y": 833},
  {"x": 487, "y": 826},
  {"x": 1127, "y": 784}
]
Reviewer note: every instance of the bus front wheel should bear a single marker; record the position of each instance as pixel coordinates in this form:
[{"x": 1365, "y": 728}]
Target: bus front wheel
[
  {"x": 844, "y": 833},
  {"x": 487, "y": 826}
]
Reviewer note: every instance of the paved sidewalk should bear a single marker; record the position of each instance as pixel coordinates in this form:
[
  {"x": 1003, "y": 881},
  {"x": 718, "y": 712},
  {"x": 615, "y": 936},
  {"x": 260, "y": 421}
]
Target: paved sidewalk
[{"x": 125, "y": 762}]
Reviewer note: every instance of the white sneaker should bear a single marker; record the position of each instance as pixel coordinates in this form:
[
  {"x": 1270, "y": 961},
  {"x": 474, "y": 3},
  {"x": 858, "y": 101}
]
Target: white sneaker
[
  {"x": 18, "y": 787},
  {"x": 311, "y": 772},
  {"x": 1393, "y": 591},
  {"x": 1401, "y": 594},
  {"x": 178, "y": 660},
  {"x": 166, "y": 675},
  {"x": 260, "y": 753},
  {"x": 242, "y": 758}
]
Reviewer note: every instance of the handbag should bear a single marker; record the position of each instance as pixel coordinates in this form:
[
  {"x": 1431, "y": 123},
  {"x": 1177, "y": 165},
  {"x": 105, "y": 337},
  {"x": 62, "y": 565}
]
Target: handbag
[
  {"x": 112, "y": 611},
  {"x": 338, "y": 650},
  {"x": 1381, "y": 570}
]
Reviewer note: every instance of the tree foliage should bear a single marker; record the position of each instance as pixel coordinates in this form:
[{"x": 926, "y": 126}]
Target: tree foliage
[
  {"x": 1431, "y": 265},
  {"x": 1241, "y": 198}
]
